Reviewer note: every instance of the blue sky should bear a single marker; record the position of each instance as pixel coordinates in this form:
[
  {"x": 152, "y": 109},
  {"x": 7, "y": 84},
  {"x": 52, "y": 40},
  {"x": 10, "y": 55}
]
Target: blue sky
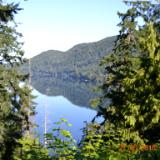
[{"x": 61, "y": 24}]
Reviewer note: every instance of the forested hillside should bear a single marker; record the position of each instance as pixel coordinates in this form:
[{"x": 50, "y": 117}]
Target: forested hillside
[{"x": 78, "y": 63}]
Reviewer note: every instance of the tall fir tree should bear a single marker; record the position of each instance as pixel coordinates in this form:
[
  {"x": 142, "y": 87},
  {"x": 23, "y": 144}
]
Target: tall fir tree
[
  {"x": 132, "y": 85},
  {"x": 15, "y": 104}
]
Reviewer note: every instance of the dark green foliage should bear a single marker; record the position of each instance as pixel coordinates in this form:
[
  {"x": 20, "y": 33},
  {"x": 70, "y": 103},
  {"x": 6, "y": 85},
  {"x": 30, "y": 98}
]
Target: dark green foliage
[{"x": 14, "y": 93}]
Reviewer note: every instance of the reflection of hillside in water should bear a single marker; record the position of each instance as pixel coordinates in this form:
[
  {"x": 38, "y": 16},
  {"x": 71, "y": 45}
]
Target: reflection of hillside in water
[{"x": 79, "y": 93}]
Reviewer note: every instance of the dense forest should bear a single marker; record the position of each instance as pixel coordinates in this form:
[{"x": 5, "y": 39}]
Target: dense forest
[{"x": 131, "y": 121}]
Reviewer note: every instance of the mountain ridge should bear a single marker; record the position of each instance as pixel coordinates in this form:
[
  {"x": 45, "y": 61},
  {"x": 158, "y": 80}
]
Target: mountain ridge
[{"x": 77, "y": 45}]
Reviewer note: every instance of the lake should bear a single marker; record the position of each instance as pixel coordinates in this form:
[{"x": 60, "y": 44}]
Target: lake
[{"x": 63, "y": 99}]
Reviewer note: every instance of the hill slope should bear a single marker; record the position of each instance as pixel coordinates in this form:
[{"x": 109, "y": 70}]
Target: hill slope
[{"x": 78, "y": 63}]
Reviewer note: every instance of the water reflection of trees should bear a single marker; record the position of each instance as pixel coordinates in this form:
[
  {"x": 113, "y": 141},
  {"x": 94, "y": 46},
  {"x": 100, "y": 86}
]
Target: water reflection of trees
[{"x": 79, "y": 93}]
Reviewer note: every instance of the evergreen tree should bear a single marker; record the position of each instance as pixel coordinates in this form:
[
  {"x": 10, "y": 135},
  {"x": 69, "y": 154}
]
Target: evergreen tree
[
  {"x": 15, "y": 106},
  {"x": 133, "y": 72}
]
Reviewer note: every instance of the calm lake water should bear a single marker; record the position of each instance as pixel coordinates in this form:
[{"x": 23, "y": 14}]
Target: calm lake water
[{"x": 59, "y": 99}]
